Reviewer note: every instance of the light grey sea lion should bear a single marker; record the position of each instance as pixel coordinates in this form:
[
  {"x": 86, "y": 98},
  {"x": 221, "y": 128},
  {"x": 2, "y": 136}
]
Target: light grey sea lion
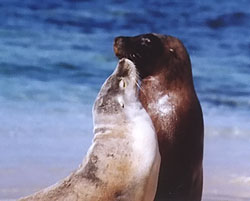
[{"x": 123, "y": 161}]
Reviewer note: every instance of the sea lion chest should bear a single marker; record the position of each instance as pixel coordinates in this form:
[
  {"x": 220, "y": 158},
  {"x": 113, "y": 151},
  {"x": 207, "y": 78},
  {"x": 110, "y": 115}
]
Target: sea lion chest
[{"x": 161, "y": 105}]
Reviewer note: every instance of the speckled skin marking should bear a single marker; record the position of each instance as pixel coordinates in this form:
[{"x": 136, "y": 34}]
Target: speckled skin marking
[
  {"x": 169, "y": 97},
  {"x": 117, "y": 166}
]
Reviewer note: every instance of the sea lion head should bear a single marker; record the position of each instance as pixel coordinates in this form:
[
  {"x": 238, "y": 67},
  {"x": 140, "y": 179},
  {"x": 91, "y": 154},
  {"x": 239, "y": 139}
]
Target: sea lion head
[
  {"x": 152, "y": 53},
  {"x": 118, "y": 91},
  {"x": 143, "y": 50}
]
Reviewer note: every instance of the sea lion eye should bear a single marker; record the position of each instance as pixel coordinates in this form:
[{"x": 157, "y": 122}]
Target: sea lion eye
[{"x": 122, "y": 84}]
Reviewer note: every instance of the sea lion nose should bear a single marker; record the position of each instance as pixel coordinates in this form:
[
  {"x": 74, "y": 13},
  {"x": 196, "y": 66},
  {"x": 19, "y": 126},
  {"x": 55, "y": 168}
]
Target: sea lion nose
[{"x": 119, "y": 46}]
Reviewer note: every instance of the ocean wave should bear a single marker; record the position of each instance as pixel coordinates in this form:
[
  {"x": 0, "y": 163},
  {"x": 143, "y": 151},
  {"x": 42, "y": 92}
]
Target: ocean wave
[
  {"x": 67, "y": 42},
  {"x": 58, "y": 71}
]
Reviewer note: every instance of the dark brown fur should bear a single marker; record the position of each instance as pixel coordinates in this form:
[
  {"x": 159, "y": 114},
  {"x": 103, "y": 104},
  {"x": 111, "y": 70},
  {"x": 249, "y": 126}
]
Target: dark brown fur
[{"x": 165, "y": 69}]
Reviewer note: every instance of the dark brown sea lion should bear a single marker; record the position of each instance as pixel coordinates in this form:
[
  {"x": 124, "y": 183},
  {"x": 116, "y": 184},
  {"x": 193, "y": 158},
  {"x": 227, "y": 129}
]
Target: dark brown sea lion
[{"x": 169, "y": 97}]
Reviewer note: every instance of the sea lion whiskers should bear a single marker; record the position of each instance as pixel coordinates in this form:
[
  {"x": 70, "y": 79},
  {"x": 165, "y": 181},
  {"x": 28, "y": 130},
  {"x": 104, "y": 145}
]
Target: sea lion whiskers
[
  {"x": 140, "y": 88},
  {"x": 138, "y": 82}
]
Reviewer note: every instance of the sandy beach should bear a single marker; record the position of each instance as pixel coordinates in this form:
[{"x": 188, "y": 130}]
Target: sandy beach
[{"x": 226, "y": 170}]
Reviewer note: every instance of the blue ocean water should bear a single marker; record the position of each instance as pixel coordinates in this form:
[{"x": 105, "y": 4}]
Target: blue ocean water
[{"x": 55, "y": 55}]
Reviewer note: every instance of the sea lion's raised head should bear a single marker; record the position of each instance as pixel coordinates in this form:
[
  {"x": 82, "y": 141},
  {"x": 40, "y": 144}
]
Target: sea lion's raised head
[{"x": 118, "y": 91}]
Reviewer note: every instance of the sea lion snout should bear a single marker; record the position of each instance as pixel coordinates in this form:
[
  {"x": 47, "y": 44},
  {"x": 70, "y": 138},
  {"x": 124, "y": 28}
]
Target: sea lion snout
[
  {"x": 143, "y": 50},
  {"x": 121, "y": 43},
  {"x": 126, "y": 69},
  {"x": 134, "y": 47}
]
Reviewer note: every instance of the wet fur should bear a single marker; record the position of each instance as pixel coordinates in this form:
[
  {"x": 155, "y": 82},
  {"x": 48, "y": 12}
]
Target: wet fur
[
  {"x": 170, "y": 99},
  {"x": 117, "y": 166}
]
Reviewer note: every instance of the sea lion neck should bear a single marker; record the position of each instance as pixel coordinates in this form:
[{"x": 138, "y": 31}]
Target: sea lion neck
[{"x": 168, "y": 78}]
